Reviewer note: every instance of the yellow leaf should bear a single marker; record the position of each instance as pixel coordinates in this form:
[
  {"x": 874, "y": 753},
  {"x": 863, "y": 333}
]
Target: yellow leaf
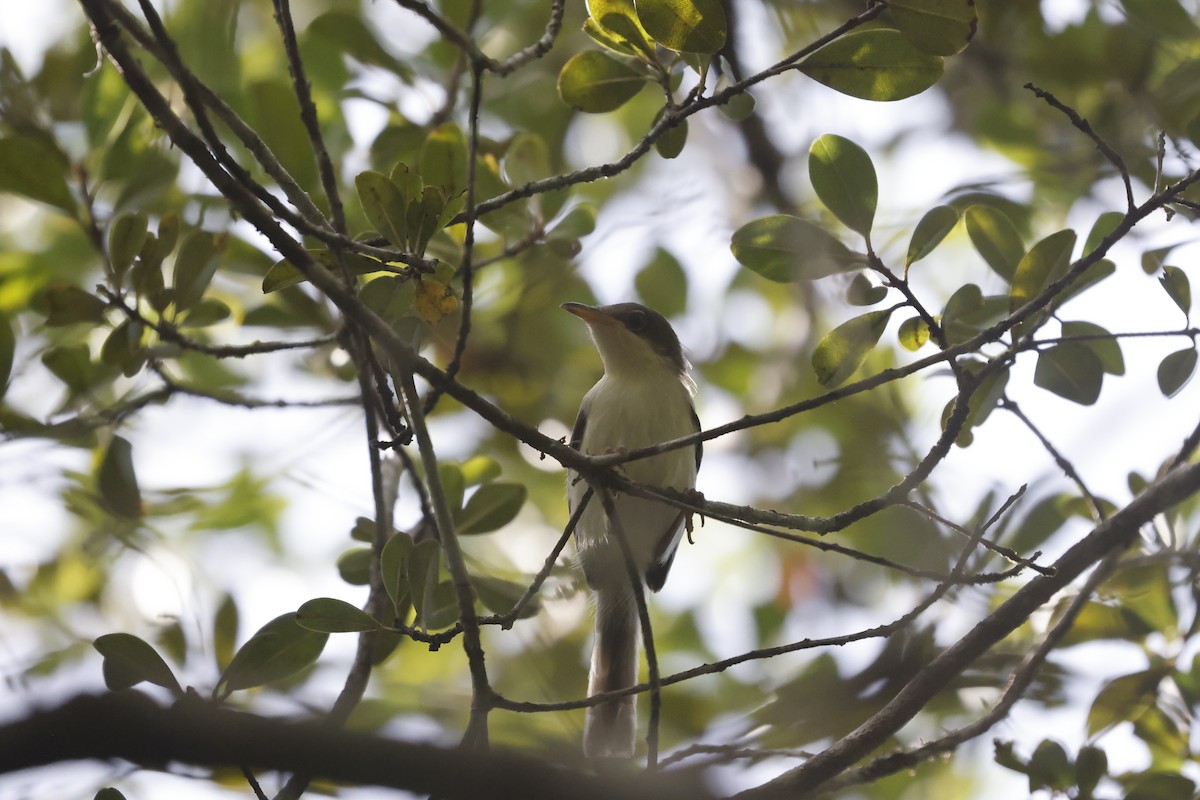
[{"x": 434, "y": 300}]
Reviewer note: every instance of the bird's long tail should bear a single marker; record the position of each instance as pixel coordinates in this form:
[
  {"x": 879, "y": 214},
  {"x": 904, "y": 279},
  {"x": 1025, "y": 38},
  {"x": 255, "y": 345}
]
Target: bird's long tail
[{"x": 610, "y": 729}]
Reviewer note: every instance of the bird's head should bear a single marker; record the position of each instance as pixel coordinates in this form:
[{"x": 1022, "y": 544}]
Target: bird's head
[{"x": 632, "y": 339}]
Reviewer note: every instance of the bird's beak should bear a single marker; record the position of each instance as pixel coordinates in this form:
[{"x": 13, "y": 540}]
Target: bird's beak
[{"x": 589, "y": 314}]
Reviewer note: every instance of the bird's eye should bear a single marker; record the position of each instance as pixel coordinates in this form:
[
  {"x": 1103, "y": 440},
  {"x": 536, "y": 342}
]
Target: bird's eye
[{"x": 636, "y": 321}]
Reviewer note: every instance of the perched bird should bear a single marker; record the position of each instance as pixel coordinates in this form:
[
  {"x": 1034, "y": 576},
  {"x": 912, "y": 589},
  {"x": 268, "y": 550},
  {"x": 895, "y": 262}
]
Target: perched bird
[{"x": 644, "y": 398}]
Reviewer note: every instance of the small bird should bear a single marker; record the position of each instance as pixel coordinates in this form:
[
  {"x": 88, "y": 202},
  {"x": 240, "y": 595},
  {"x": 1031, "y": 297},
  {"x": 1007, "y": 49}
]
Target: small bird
[{"x": 643, "y": 398}]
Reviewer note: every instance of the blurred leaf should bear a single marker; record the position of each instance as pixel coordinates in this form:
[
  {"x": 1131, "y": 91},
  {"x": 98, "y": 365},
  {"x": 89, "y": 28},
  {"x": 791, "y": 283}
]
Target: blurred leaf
[
  {"x": 350, "y": 34},
  {"x": 424, "y": 563},
  {"x": 1049, "y": 767},
  {"x": 1091, "y": 764},
  {"x": 480, "y": 469},
  {"x": 594, "y": 82},
  {"x": 1100, "y": 622},
  {"x": 861, "y": 292},
  {"x": 929, "y": 233},
  {"x": 209, "y": 311},
  {"x": 129, "y": 660},
  {"x": 393, "y": 565},
  {"x": 1160, "y": 786},
  {"x": 444, "y": 158},
  {"x": 122, "y": 348},
  {"x": 117, "y": 482},
  {"x": 33, "y": 169},
  {"x": 434, "y": 300},
  {"x": 1105, "y": 224},
  {"x": 225, "y": 631},
  {"x": 841, "y": 351},
  {"x": 941, "y": 27},
  {"x": 784, "y": 248},
  {"x": 65, "y": 304},
  {"x": 330, "y": 615},
  {"x": 1099, "y": 341},
  {"x": 354, "y": 566},
  {"x": 1070, "y": 370},
  {"x": 576, "y": 223},
  {"x": 1175, "y": 283},
  {"x": 913, "y": 333},
  {"x": 1145, "y": 590},
  {"x": 283, "y": 274},
  {"x": 875, "y": 64},
  {"x": 1045, "y": 263},
  {"x": 671, "y": 143},
  {"x": 739, "y": 107},
  {"x": 195, "y": 266},
  {"x": 490, "y": 508},
  {"x": 662, "y": 284},
  {"x": 8, "y": 347},
  {"x": 996, "y": 239},
  {"x": 389, "y": 296},
  {"x": 385, "y": 206},
  {"x": 277, "y": 650},
  {"x": 126, "y": 237},
  {"x": 500, "y": 596},
  {"x": 1123, "y": 699},
  {"x": 1176, "y": 370},
  {"x": 527, "y": 159},
  {"x": 843, "y": 177},
  {"x": 685, "y": 26}
]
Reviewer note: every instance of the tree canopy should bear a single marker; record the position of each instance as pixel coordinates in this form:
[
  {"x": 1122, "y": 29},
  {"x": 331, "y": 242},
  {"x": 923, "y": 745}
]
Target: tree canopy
[{"x": 286, "y": 393}]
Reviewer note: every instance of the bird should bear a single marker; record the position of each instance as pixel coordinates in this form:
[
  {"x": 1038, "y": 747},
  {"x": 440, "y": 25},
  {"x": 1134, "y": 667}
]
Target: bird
[{"x": 643, "y": 398}]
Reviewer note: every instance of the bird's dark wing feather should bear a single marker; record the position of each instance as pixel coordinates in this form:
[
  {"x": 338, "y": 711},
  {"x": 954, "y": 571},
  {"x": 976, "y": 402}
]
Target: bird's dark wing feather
[
  {"x": 577, "y": 431},
  {"x": 656, "y": 574}
]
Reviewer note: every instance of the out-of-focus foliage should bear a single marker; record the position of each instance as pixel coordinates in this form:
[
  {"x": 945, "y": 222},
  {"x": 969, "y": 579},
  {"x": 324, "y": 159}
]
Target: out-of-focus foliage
[{"x": 711, "y": 160}]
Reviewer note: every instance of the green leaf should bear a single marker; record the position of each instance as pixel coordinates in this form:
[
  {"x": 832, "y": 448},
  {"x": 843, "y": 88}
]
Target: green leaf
[
  {"x": 1123, "y": 699},
  {"x": 1049, "y": 767},
  {"x": 1091, "y": 275},
  {"x": 913, "y": 333},
  {"x": 277, "y": 650},
  {"x": 941, "y": 27},
  {"x": 195, "y": 266},
  {"x": 843, "y": 177},
  {"x": 8, "y": 347},
  {"x": 929, "y": 233},
  {"x": 1099, "y": 341},
  {"x": 349, "y": 33},
  {"x": 1099, "y": 622},
  {"x": 876, "y": 64},
  {"x": 784, "y": 248},
  {"x": 126, "y": 238},
  {"x": 123, "y": 348},
  {"x": 225, "y": 631},
  {"x": 1160, "y": 786},
  {"x": 330, "y": 615},
  {"x": 117, "y": 482},
  {"x": 65, "y": 304},
  {"x": 671, "y": 143},
  {"x": 739, "y": 107},
  {"x": 490, "y": 508},
  {"x": 33, "y": 169},
  {"x": 480, "y": 469},
  {"x": 861, "y": 292},
  {"x": 1070, "y": 370},
  {"x": 284, "y": 274},
  {"x": 685, "y": 26},
  {"x": 354, "y": 566},
  {"x": 129, "y": 660},
  {"x": 389, "y": 296},
  {"x": 444, "y": 159},
  {"x": 575, "y": 224},
  {"x": 1176, "y": 370},
  {"x": 385, "y": 206},
  {"x": 996, "y": 239},
  {"x": 968, "y": 312},
  {"x": 1045, "y": 263},
  {"x": 527, "y": 159},
  {"x": 844, "y": 349},
  {"x": 209, "y": 311},
  {"x": 594, "y": 82},
  {"x": 614, "y": 24},
  {"x": 393, "y": 565},
  {"x": 662, "y": 284},
  {"x": 1105, "y": 224},
  {"x": 500, "y": 596},
  {"x": 424, "y": 563},
  {"x": 1175, "y": 283}
]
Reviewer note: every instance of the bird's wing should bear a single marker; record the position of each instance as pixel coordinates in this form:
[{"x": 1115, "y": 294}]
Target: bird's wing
[
  {"x": 664, "y": 555},
  {"x": 581, "y": 425}
]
